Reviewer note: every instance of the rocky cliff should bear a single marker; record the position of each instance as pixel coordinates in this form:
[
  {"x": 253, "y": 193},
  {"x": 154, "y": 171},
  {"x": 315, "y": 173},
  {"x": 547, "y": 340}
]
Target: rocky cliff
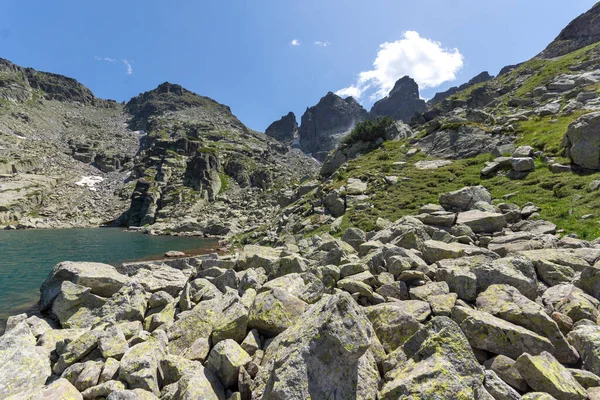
[
  {"x": 581, "y": 32},
  {"x": 402, "y": 103},
  {"x": 285, "y": 130},
  {"x": 323, "y": 124}
]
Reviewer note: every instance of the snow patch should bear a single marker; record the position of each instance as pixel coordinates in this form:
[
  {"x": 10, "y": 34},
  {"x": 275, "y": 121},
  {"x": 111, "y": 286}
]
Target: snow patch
[{"x": 90, "y": 182}]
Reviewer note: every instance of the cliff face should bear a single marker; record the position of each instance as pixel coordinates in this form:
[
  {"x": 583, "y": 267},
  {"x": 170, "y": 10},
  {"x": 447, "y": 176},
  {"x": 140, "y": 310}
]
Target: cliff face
[
  {"x": 402, "y": 103},
  {"x": 581, "y": 32},
  {"x": 325, "y": 123},
  {"x": 285, "y": 130}
]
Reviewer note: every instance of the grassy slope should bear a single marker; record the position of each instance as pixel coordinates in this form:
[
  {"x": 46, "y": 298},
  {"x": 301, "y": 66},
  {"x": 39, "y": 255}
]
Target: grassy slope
[{"x": 564, "y": 198}]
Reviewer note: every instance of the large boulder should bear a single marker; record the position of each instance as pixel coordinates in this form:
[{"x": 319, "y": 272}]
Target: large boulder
[
  {"x": 274, "y": 311},
  {"x": 464, "y": 199},
  {"x": 586, "y": 339},
  {"x": 482, "y": 221},
  {"x": 140, "y": 364},
  {"x": 544, "y": 374},
  {"x": 486, "y": 332},
  {"x": 506, "y": 302},
  {"x": 23, "y": 366},
  {"x": 582, "y": 142},
  {"x": 439, "y": 363},
  {"x": 324, "y": 355},
  {"x": 103, "y": 280},
  {"x": 465, "y": 141}
]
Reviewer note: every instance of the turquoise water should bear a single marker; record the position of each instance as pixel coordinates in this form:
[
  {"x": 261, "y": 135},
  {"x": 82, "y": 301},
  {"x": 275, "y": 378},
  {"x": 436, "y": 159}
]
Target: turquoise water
[{"x": 26, "y": 257}]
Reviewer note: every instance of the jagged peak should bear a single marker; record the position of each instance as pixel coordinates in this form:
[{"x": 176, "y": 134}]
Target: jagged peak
[
  {"x": 581, "y": 32},
  {"x": 167, "y": 97}
]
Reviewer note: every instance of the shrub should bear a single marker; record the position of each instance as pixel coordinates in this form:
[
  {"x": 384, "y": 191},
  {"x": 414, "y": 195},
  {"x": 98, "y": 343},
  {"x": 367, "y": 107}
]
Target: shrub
[{"x": 368, "y": 131}]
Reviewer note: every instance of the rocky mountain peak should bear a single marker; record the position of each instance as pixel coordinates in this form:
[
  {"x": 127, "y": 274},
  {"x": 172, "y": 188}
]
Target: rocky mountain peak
[
  {"x": 402, "y": 103},
  {"x": 18, "y": 83},
  {"x": 325, "y": 123},
  {"x": 285, "y": 130},
  {"x": 167, "y": 97},
  {"x": 582, "y": 31}
]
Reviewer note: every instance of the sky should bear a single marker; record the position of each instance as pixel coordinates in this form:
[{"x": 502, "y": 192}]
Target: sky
[{"x": 264, "y": 58}]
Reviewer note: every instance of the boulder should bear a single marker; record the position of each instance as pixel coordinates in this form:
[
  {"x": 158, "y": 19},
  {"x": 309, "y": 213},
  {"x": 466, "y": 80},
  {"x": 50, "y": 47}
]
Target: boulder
[
  {"x": 392, "y": 324},
  {"x": 481, "y": 221},
  {"x": 486, "y": 332},
  {"x": 544, "y": 374},
  {"x": 506, "y": 302},
  {"x": 60, "y": 389},
  {"x": 504, "y": 368},
  {"x": 323, "y": 355},
  {"x": 586, "y": 339},
  {"x": 582, "y": 142},
  {"x": 139, "y": 365},
  {"x": 103, "y": 280},
  {"x": 274, "y": 311},
  {"x": 464, "y": 199},
  {"x": 498, "y": 388},
  {"x": 438, "y": 363},
  {"x": 23, "y": 366},
  {"x": 225, "y": 359}
]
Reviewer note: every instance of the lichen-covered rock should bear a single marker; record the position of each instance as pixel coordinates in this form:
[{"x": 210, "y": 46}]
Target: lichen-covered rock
[
  {"x": 320, "y": 355},
  {"x": 225, "y": 359},
  {"x": 586, "y": 339},
  {"x": 498, "y": 388},
  {"x": 103, "y": 389},
  {"x": 274, "y": 311},
  {"x": 192, "y": 326},
  {"x": 157, "y": 277},
  {"x": 77, "y": 350},
  {"x": 392, "y": 324},
  {"x": 486, "y": 332},
  {"x": 139, "y": 365},
  {"x": 60, "y": 389},
  {"x": 506, "y": 302},
  {"x": 76, "y": 306},
  {"x": 113, "y": 344},
  {"x": 103, "y": 280},
  {"x": 544, "y": 374},
  {"x": 23, "y": 366},
  {"x": 84, "y": 375},
  {"x": 504, "y": 367},
  {"x": 231, "y": 324},
  {"x": 439, "y": 364}
]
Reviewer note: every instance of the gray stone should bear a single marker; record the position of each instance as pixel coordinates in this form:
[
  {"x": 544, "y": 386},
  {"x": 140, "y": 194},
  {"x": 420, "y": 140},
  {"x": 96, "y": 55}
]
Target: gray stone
[
  {"x": 482, "y": 222},
  {"x": 544, "y": 374},
  {"x": 465, "y": 198},
  {"x": 495, "y": 335},
  {"x": 325, "y": 354},
  {"x": 225, "y": 359}
]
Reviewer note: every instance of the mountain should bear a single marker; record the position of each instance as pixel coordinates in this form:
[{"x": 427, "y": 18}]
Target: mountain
[
  {"x": 323, "y": 124},
  {"x": 201, "y": 169},
  {"x": 402, "y": 103},
  {"x": 168, "y": 156}
]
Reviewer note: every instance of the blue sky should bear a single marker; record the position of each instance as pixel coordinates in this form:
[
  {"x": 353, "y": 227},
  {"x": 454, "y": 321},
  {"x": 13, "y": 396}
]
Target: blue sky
[{"x": 240, "y": 52}]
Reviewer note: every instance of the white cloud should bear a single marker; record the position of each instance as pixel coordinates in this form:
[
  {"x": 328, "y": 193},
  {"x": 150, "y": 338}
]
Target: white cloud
[
  {"x": 424, "y": 60},
  {"x": 322, "y": 44},
  {"x": 295, "y": 42},
  {"x": 107, "y": 59},
  {"x": 129, "y": 67}
]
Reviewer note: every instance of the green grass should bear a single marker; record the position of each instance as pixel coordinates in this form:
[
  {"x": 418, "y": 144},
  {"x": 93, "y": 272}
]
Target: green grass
[
  {"x": 548, "y": 70},
  {"x": 564, "y": 198},
  {"x": 224, "y": 182},
  {"x": 546, "y": 134}
]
